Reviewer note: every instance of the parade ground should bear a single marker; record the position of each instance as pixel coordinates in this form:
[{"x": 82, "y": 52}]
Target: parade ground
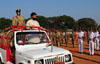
[{"x": 84, "y": 58}]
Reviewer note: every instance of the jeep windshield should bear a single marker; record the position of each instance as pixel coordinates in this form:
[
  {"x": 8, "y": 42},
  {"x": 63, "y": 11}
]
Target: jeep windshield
[{"x": 23, "y": 38}]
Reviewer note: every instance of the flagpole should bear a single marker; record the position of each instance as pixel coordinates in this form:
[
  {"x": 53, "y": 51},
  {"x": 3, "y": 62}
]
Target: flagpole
[{"x": 51, "y": 48}]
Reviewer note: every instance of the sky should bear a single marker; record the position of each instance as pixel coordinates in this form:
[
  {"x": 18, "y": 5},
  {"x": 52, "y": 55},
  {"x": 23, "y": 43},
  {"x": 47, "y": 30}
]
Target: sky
[{"x": 49, "y": 8}]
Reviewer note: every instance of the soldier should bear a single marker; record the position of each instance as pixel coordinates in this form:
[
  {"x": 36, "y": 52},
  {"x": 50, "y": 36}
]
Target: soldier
[
  {"x": 54, "y": 37},
  {"x": 88, "y": 33},
  {"x": 96, "y": 40},
  {"x": 58, "y": 38},
  {"x": 91, "y": 42},
  {"x": 66, "y": 38},
  {"x": 63, "y": 35},
  {"x": 73, "y": 38},
  {"x": 18, "y": 20},
  {"x": 80, "y": 39}
]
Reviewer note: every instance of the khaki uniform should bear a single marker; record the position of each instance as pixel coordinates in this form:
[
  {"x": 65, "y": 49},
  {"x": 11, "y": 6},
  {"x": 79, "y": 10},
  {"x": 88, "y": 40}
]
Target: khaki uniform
[
  {"x": 58, "y": 39},
  {"x": 18, "y": 20},
  {"x": 54, "y": 38},
  {"x": 73, "y": 39},
  {"x": 66, "y": 38},
  {"x": 61, "y": 36},
  {"x": 88, "y": 37}
]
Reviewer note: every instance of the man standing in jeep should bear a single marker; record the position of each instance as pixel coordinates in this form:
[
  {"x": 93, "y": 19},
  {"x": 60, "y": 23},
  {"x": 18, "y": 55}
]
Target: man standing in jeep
[
  {"x": 18, "y": 20},
  {"x": 32, "y": 22}
]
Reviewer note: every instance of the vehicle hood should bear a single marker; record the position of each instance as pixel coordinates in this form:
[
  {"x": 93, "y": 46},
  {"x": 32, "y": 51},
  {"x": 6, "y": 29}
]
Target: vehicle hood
[{"x": 44, "y": 52}]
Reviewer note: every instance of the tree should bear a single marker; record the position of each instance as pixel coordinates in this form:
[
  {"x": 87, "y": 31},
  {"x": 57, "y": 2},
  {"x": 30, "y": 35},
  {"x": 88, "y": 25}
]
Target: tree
[
  {"x": 4, "y": 23},
  {"x": 86, "y": 23},
  {"x": 61, "y": 22},
  {"x": 43, "y": 21}
]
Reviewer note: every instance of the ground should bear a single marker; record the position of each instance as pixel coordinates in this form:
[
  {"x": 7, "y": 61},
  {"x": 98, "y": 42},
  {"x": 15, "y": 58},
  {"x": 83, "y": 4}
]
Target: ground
[{"x": 84, "y": 58}]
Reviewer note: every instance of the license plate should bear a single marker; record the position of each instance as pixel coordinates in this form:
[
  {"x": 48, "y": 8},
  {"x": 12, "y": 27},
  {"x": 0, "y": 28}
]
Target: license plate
[{"x": 60, "y": 63}]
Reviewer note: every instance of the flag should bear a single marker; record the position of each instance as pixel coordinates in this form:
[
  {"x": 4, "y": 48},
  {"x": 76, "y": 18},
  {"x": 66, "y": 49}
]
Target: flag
[{"x": 48, "y": 44}]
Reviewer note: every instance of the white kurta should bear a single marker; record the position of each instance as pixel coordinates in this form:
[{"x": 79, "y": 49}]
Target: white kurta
[{"x": 32, "y": 22}]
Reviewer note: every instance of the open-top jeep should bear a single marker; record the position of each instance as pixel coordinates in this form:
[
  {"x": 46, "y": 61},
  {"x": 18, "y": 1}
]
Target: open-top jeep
[{"x": 31, "y": 47}]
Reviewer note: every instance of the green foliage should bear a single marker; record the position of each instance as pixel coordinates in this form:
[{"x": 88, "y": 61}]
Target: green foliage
[
  {"x": 61, "y": 22},
  {"x": 4, "y": 23},
  {"x": 87, "y": 23},
  {"x": 58, "y": 22},
  {"x": 43, "y": 21}
]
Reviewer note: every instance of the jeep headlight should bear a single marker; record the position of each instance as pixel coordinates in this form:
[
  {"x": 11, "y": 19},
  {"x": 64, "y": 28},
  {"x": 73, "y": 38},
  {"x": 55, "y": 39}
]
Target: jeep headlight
[
  {"x": 39, "y": 62},
  {"x": 67, "y": 58}
]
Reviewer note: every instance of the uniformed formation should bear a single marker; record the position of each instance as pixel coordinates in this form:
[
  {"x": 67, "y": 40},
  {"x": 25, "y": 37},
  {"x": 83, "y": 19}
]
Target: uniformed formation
[{"x": 60, "y": 37}]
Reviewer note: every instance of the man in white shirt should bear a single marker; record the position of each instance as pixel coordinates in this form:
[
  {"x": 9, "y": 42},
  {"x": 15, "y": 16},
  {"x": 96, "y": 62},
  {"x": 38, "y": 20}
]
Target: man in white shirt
[
  {"x": 80, "y": 39},
  {"x": 97, "y": 40},
  {"x": 91, "y": 42},
  {"x": 32, "y": 22}
]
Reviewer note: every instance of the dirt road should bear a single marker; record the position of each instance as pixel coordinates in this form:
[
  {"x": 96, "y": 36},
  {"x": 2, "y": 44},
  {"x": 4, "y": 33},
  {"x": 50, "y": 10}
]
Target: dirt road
[{"x": 84, "y": 58}]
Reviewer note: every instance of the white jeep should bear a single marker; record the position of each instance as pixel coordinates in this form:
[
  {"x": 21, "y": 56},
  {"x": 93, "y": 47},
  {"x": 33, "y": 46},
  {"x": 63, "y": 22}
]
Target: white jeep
[{"x": 30, "y": 48}]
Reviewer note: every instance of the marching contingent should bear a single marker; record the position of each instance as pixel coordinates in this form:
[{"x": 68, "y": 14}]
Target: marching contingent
[{"x": 60, "y": 37}]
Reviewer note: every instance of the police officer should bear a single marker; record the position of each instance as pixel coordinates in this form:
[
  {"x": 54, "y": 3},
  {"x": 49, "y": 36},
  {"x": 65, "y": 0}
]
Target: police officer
[
  {"x": 91, "y": 42},
  {"x": 18, "y": 20},
  {"x": 88, "y": 33},
  {"x": 80, "y": 39},
  {"x": 73, "y": 38},
  {"x": 96, "y": 40},
  {"x": 58, "y": 38},
  {"x": 66, "y": 37}
]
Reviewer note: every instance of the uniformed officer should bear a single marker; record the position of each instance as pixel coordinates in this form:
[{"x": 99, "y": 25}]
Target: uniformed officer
[
  {"x": 96, "y": 40},
  {"x": 80, "y": 39},
  {"x": 58, "y": 38},
  {"x": 18, "y": 20},
  {"x": 91, "y": 42},
  {"x": 66, "y": 37},
  {"x": 73, "y": 38},
  {"x": 88, "y": 33},
  {"x": 61, "y": 36}
]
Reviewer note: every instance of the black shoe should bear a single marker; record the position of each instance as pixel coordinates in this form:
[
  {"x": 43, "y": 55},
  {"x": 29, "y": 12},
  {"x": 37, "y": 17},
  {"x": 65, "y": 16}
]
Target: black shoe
[
  {"x": 91, "y": 54},
  {"x": 81, "y": 52},
  {"x": 97, "y": 50}
]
